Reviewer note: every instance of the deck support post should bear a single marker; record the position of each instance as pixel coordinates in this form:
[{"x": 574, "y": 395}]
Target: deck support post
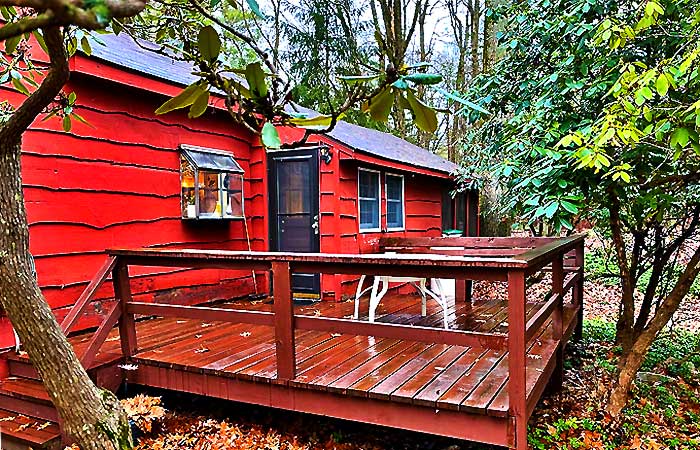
[
  {"x": 284, "y": 320},
  {"x": 558, "y": 322},
  {"x": 463, "y": 290},
  {"x": 127, "y": 324},
  {"x": 577, "y": 291},
  {"x": 517, "y": 357}
]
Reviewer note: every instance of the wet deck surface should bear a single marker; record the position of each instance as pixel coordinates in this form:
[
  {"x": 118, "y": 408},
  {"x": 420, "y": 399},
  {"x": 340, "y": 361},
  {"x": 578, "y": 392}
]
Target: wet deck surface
[{"x": 433, "y": 375}]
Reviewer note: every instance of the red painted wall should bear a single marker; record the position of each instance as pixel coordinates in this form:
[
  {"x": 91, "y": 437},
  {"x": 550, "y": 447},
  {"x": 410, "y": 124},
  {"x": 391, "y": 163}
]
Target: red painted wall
[{"x": 116, "y": 183}]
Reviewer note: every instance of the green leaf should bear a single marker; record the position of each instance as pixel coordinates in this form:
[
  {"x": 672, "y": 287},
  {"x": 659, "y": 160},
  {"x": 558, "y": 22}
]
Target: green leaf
[
  {"x": 379, "y": 106},
  {"x": 680, "y": 137},
  {"x": 85, "y": 45},
  {"x": 318, "y": 122},
  {"x": 12, "y": 43},
  {"x": 199, "y": 106},
  {"x": 419, "y": 65},
  {"x": 424, "y": 78},
  {"x": 80, "y": 118},
  {"x": 270, "y": 136},
  {"x": 67, "y": 124},
  {"x": 182, "y": 100},
  {"x": 464, "y": 101},
  {"x": 20, "y": 86},
  {"x": 209, "y": 43},
  {"x": 662, "y": 84},
  {"x": 400, "y": 83},
  {"x": 255, "y": 76},
  {"x": 253, "y": 5},
  {"x": 570, "y": 207},
  {"x": 356, "y": 79},
  {"x": 551, "y": 210},
  {"x": 40, "y": 39},
  {"x": 424, "y": 116}
]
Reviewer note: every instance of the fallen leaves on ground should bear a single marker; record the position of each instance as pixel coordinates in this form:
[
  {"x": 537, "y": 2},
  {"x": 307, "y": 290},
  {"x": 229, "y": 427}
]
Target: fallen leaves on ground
[{"x": 144, "y": 411}]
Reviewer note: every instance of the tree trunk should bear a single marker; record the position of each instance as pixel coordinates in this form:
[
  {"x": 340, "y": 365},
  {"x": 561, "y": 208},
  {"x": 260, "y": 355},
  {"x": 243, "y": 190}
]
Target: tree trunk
[
  {"x": 633, "y": 357},
  {"x": 475, "y": 35},
  {"x": 490, "y": 43},
  {"x": 93, "y": 417}
]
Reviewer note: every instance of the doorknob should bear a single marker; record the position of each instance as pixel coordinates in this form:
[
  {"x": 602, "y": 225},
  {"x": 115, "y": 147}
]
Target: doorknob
[{"x": 314, "y": 225}]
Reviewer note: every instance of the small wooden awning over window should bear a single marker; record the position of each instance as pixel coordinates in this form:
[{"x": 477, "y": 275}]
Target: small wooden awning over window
[{"x": 210, "y": 159}]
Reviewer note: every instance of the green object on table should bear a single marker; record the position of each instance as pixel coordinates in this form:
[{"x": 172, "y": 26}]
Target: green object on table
[{"x": 452, "y": 233}]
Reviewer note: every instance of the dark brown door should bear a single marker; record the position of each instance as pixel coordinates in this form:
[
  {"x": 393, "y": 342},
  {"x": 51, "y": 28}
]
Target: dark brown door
[{"x": 294, "y": 215}]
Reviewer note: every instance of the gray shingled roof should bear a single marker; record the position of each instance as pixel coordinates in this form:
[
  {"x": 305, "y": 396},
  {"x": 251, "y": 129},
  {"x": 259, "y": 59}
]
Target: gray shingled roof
[{"x": 122, "y": 51}]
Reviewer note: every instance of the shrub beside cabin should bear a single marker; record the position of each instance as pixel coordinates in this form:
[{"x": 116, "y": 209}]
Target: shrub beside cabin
[{"x": 133, "y": 179}]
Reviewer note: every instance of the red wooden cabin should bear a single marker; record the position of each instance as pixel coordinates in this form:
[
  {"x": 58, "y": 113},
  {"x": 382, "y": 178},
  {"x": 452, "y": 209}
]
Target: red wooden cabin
[{"x": 124, "y": 181}]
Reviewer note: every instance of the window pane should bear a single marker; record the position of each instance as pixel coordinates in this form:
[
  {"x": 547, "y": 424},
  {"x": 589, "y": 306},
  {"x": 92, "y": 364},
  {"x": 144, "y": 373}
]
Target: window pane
[
  {"x": 394, "y": 214},
  {"x": 369, "y": 199},
  {"x": 209, "y": 205},
  {"x": 447, "y": 210},
  {"x": 461, "y": 202},
  {"x": 369, "y": 184},
  {"x": 394, "y": 187},
  {"x": 233, "y": 195},
  {"x": 369, "y": 214},
  {"x": 188, "y": 194}
]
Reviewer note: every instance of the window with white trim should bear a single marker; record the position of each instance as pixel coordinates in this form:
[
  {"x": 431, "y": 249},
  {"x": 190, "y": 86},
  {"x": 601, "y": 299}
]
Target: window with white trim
[
  {"x": 212, "y": 184},
  {"x": 369, "y": 195},
  {"x": 394, "y": 202}
]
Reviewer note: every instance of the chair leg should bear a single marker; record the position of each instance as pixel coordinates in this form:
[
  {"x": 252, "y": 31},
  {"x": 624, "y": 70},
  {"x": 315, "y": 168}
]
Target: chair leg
[
  {"x": 441, "y": 300},
  {"x": 377, "y": 297},
  {"x": 358, "y": 294},
  {"x": 424, "y": 303}
]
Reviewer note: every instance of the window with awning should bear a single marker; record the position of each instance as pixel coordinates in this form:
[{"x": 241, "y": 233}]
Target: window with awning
[{"x": 212, "y": 184}]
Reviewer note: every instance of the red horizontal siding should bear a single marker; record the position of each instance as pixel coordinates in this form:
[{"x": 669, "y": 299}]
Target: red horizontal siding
[{"x": 116, "y": 183}]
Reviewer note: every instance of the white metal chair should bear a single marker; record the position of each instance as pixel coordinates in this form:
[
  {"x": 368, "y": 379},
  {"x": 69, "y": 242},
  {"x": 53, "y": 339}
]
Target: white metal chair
[{"x": 376, "y": 295}]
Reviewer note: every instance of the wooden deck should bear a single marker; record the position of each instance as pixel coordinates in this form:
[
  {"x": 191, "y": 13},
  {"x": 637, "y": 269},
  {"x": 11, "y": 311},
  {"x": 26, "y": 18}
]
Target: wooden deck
[
  {"x": 438, "y": 376},
  {"x": 479, "y": 379}
]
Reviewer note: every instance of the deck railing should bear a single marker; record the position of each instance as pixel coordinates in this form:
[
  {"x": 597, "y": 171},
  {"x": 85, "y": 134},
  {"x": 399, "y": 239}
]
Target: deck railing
[{"x": 499, "y": 259}]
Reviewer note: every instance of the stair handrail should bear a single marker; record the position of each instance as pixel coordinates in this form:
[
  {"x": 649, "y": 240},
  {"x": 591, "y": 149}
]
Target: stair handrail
[{"x": 81, "y": 304}]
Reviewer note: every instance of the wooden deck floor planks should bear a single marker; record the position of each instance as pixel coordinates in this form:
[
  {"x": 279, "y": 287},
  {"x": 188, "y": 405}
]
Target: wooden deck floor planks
[{"x": 431, "y": 375}]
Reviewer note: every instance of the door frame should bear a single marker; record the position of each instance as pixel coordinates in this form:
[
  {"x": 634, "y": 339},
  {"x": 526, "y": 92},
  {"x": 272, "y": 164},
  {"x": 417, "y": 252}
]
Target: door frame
[{"x": 312, "y": 154}]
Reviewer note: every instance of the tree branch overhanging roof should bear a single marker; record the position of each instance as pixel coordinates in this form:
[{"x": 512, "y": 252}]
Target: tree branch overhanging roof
[{"x": 140, "y": 57}]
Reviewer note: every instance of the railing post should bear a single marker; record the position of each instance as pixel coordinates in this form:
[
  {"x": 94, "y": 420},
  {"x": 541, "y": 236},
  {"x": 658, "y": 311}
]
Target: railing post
[
  {"x": 578, "y": 289},
  {"x": 284, "y": 320},
  {"x": 127, "y": 324},
  {"x": 463, "y": 291},
  {"x": 558, "y": 321},
  {"x": 517, "y": 357}
]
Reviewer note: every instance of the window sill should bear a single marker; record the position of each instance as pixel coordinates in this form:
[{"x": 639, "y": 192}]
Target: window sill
[
  {"x": 213, "y": 218},
  {"x": 391, "y": 230},
  {"x": 370, "y": 230}
]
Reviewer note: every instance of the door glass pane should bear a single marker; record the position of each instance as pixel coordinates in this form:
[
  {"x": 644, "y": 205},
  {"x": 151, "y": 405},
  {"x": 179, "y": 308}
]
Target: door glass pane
[{"x": 294, "y": 191}]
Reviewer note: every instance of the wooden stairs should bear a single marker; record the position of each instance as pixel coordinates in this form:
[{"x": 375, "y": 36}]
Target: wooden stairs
[{"x": 28, "y": 419}]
